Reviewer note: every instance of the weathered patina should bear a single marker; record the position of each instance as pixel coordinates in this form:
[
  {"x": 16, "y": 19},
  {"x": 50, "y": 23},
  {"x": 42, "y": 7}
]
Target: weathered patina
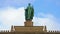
[{"x": 29, "y": 12}]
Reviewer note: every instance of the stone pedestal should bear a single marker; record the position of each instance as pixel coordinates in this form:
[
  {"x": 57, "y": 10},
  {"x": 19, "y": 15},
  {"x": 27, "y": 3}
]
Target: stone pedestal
[
  {"x": 28, "y": 23},
  {"x": 28, "y": 27}
]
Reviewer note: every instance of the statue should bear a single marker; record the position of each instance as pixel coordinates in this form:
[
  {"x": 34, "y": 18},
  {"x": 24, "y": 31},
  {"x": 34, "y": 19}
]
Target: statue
[{"x": 29, "y": 12}]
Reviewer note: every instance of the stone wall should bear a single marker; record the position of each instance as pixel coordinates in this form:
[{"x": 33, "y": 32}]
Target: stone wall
[{"x": 29, "y": 29}]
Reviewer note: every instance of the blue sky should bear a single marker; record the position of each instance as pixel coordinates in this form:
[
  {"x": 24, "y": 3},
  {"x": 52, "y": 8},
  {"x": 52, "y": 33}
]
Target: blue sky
[{"x": 46, "y": 12}]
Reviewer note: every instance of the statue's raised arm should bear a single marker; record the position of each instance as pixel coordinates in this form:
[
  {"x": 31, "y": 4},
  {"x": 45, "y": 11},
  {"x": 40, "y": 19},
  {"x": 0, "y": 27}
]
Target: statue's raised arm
[{"x": 29, "y": 12}]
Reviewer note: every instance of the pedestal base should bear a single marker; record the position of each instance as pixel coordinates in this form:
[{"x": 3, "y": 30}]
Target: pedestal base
[
  {"x": 28, "y": 23},
  {"x": 29, "y": 29}
]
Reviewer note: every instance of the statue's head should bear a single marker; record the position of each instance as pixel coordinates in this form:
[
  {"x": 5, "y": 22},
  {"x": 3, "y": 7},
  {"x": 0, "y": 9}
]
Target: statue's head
[{"x": 29, "y": 4}]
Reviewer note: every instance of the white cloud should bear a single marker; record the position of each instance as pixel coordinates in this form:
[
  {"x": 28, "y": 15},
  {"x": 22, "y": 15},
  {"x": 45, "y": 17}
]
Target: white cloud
[
  {"x": 50, "y": 21},
  {"x": 11, "y": 16}
]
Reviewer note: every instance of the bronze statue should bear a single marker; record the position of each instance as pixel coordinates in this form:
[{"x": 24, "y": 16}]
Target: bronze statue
[{"x": 29, "y": 12}]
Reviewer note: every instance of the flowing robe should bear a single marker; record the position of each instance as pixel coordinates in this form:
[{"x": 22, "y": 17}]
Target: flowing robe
[{"x": 29, "y": 13}]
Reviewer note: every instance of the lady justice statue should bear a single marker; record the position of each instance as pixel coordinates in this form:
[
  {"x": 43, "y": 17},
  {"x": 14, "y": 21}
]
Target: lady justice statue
[{"x": 29, "y": 12}]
